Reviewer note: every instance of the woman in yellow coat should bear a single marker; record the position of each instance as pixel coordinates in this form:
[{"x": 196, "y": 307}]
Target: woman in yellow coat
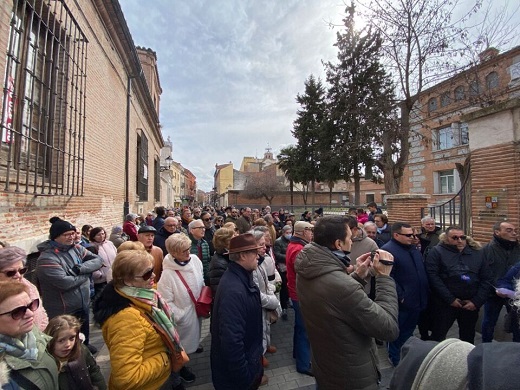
[{"x": 132, "y": 314}]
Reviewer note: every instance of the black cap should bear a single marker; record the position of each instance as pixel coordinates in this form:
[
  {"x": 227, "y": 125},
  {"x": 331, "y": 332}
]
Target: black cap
[{"x": 147, "y": 229}]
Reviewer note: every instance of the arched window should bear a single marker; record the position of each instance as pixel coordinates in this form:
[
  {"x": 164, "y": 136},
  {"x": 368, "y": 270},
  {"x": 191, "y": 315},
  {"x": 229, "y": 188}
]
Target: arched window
[
  {"x": 492, "y": 80},
  {"x": 432, "y": 104},
  {"x": 445, "y": 99},
  {"x": 459, "y": 93}
]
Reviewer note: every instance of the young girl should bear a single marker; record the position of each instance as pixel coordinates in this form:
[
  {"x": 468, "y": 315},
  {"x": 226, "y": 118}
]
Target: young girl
[{"x": 77, "y": 367}]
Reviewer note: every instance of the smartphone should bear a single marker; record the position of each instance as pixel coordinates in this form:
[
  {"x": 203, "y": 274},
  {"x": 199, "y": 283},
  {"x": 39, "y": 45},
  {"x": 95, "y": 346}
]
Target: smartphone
[{"x": 385, "y": 262}]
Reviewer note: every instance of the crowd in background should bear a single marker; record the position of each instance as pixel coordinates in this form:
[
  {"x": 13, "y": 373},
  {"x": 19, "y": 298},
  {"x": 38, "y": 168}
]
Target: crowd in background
[{"x": 353, "y": 280}]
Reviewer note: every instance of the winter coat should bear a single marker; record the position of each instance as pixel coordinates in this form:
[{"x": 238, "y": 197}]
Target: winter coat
[
  {"x": 173, "y": 291},
  {"x": 41, "y": 319},
  {"x": 217, "y": 266},
  {"x": 200, "y": 248},
  {"x": 117, "y": 237},
  {"x": 108, "y": 252},
  {"x": 361, "y": 245},
  {"x": 160, "y": 239},
  {"x": 453, "y": 274},
  {"x": 500, "y": 257},
  {"x": 429, "y": 240},
  {"x": 42, "y": 373},
  {"x": 236, "y": 331},
  {"x": 138, "y": 356},
  {"x": 341, "y": 320},
  {"x": 208, "y": 237},
  {"x": 385, "y": 235},
  {"x": 130, "y": 229},
  {"x": 158, "y": 223},
  {"x": 68, "y": 376},
  {"x": 64, "y": 276},
  {"x": 280, "y": 249},
  {"x": 296, "y": 244},
  {"x": 268, "y": 298},
  {"x": 411, "y": 281}
]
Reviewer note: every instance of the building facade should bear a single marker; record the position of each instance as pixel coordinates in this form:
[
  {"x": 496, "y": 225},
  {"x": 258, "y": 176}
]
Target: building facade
[{"x": 81, "y": 137}]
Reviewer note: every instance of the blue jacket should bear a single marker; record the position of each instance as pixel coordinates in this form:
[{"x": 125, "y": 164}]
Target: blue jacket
[
  {"x": 236, "y": 331},
  {"x": 411, "y": 281},
  {"x": 509, "y": 279}
]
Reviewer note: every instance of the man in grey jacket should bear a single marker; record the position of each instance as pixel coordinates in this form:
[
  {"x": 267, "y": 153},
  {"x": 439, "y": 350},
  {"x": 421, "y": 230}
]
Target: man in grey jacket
[
  {"x": 63, "y": 272},
  {"x": 340, "y": 319}
]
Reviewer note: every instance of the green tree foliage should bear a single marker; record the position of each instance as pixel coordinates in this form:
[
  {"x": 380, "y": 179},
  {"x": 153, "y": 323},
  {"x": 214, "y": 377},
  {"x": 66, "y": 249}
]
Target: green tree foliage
[{"x": 361, "y": 103}]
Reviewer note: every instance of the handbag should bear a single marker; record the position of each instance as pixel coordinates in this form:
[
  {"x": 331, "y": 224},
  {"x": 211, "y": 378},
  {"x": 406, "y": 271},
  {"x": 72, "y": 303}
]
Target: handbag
[{"x": 203, "y": 304}]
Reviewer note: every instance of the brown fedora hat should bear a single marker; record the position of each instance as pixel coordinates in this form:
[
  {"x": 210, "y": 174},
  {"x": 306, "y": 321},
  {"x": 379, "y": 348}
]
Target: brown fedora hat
[{"x": 243, "y": 243}]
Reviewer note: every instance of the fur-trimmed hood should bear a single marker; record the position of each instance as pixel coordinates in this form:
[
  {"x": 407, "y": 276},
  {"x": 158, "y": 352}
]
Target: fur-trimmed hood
[
  {"x": 471, "y": 242},
  {"x": 4, "y": 373}
]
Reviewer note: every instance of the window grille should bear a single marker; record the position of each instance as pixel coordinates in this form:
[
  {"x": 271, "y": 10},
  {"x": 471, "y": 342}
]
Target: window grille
[{"x": 42, "y": 146}]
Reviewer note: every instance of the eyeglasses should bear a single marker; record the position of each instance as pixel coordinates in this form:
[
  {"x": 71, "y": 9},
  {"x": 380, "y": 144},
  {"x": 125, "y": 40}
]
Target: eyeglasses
[
  {"x": 456, "y": 238},
  {"x": 68, "y": 235},
  {"x": 170, "y": 225},
  {"x": 147, "y": 275},
  {"x": 13, "y": 272},
  {"x": 206, "y": 219},
  {"x": 198, "y": 227},
  {"x": 408, "y": 235},
  {"x": 19, "y": 312}
]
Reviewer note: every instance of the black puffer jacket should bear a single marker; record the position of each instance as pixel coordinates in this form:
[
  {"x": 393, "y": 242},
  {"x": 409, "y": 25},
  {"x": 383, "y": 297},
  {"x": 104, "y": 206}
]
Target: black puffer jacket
[
  {"x": 217, "y": 266},
  {"x": 108, "y": 304},
  {"x": 280, "y": 248}
]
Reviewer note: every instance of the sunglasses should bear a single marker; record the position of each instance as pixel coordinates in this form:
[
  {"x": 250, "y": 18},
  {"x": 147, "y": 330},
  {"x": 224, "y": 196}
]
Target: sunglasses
[
  {"x": 12, "y": 273},
  {"x": 206, "y": 219},
  {"x": 147, "y": 275},
  {"x": 456, "y": 238},
  {"x": 19, "y": 312},
  {"x": 408, "y": 235}
]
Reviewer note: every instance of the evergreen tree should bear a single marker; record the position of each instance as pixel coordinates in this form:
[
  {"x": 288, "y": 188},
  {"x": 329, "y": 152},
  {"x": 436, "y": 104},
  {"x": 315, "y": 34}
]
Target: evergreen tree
[{"x": 361, "y": 100}]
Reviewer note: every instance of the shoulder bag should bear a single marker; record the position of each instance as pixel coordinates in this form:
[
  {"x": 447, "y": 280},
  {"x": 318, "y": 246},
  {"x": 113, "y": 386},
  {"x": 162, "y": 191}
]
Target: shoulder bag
[{"x": 203, "y": 304}]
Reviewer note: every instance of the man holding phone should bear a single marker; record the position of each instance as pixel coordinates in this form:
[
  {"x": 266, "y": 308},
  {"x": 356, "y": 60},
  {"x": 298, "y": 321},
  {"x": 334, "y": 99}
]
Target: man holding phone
[{"x": 340, "y": 319}]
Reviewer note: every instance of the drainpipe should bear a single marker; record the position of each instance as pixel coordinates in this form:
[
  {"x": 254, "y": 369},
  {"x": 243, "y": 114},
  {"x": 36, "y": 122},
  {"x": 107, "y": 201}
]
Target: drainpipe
[{"x": 126, "y": 205}]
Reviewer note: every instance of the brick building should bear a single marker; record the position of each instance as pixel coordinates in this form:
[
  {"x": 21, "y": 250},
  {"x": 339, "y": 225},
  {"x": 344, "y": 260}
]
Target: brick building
[
  {"x": 467, "y": 127},
  {"x": 80, "y": 127}
]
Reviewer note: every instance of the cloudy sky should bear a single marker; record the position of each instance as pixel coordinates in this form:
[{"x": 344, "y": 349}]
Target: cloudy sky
[{"x": 230, "y": 70}]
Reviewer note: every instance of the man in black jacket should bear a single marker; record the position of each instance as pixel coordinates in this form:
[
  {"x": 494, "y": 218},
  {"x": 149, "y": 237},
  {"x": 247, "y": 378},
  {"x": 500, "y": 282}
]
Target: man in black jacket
[
  {"x": 500, "y": 254},
  {"x": 460, "y": 283},
  {"x": 280, "y": 248}
]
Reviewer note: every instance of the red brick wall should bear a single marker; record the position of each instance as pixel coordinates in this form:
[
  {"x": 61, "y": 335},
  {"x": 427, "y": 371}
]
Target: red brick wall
[
  {"x": 494, "y": 172},
  {"x": 406, "y": 208}
]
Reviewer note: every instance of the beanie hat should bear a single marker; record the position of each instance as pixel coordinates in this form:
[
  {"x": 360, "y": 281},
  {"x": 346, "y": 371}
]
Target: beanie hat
[{"x": 58, "y": 227}]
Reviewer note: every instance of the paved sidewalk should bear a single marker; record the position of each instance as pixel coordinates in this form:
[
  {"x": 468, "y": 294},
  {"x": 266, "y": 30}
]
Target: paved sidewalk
[{"x": 281, "y": 371}]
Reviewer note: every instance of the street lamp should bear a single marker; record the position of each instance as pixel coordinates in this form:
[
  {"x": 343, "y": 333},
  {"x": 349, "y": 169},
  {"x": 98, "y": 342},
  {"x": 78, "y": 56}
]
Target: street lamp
[{"x": 168, "y": 160}]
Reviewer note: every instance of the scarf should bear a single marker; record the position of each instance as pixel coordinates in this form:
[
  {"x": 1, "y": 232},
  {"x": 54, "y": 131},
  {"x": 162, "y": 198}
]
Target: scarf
[
  {"x": 506, "y": 244},
  {"x": 151, "y": 302},
  {"x": 24, "y": 348},
  {"x": 342, "y": 256}
]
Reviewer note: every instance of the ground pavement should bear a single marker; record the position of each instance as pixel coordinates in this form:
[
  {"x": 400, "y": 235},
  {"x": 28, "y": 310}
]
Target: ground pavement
[{"x": 281, "y": 371}]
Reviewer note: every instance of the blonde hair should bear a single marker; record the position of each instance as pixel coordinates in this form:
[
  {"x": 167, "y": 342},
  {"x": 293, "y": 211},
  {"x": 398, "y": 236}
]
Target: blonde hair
[
  {"x": 12, "y": 288},
  {"x": 176, "y": 242},
  {"x": 64, "y": 322},
  {"x": 222, "y": 238},
  {"x": 127, "y": 263},
  {"x": 230, "y": 225},
  {"x": 131, "y": 246}
]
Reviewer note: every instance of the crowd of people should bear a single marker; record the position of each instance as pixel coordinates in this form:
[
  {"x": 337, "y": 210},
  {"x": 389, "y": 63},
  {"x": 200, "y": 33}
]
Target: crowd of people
[{"x": 353, "y": 280}]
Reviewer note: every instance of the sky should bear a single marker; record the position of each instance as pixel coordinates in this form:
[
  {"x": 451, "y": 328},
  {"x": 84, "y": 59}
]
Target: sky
[{"x": 230, "y": 71}]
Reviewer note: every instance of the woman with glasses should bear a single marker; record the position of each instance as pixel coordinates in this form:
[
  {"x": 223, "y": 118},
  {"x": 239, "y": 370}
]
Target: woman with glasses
[
  {"x": 21, "y": 343},
  {"x": 13, "y": 268},
  {"x": 182, "y": 270},
  {"x": 138, "y": 326}
]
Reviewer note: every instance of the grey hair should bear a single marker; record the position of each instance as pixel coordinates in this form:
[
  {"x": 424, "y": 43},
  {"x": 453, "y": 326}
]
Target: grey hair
[
  {"x": 11, "y": 255},
  {"x": 192, "y": 224},
  {"x": 427, "y": 218},
  {"x": 287, "y": 228},
  {"x": 130, "y": 217},
  {"x": 259, "y": 233},
  {"x": 369, "y": 223}
]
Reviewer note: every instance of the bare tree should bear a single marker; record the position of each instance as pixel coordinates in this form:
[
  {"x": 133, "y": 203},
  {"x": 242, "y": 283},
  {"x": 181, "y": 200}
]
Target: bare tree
[
  {"x": 264, "y": 184},
  {"x": 417, "y": 37}
]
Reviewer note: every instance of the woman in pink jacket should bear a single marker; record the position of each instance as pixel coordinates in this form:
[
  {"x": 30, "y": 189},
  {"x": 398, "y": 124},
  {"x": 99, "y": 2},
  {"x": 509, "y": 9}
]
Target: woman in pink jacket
[{"x": 107, "y": 251}]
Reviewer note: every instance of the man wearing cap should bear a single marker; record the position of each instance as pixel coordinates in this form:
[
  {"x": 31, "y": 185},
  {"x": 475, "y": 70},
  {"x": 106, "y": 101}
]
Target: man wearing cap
[
  {"x": 301, "y": 348},
  {"x": 236, "y": 321},
  {"x": 129, "y": 226},
  {"x": 146, "y": 235},
  {"x": 63, "y": 270}
]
